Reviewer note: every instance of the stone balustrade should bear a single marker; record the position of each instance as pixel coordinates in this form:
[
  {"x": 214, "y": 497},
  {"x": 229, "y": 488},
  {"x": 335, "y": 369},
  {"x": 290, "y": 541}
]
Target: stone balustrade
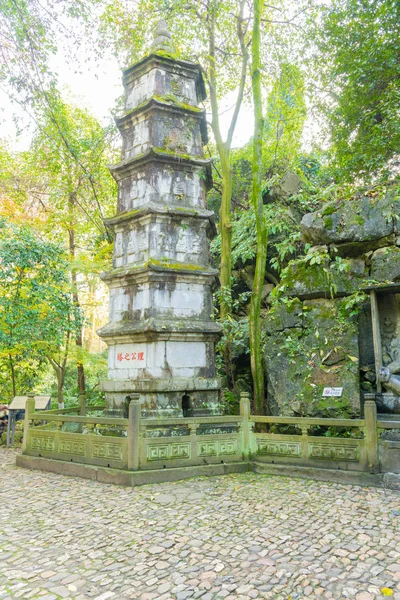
[{"x": 138, "y": 445}]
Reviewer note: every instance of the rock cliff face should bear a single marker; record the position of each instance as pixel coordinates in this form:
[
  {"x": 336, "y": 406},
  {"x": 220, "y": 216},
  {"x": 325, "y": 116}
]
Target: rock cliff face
[{"x": 319, "y": 331}]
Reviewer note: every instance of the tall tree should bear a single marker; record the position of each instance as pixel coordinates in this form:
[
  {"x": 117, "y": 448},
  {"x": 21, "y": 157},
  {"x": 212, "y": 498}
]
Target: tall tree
[
  {"x": 73, "y": 189},
  {"x": 31, "y": 33},
  {"x": 261, "y": 223},
  {"x": 358, "y": 63},
  {"x": 284, "y": 120},
  {"x": 37, "y": 312}
]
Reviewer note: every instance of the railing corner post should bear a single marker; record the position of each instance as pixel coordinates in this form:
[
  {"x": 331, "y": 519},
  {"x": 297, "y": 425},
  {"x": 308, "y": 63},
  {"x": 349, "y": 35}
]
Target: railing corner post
[
  {"x": 245, "y": 414},
  {"x": 371, "y": 433},
  {"x": 134, "y": 432},
  {"x": 29, "y": 410},
  {"x": 82, "y": 404}
]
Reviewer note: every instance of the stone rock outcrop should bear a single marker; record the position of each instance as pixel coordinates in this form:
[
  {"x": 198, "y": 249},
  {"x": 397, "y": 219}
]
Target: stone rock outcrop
[
  {"x": 324, "y": 280},
  {"x": 317, "y": 343},
  {"x": 309, "y": 348},
  {"x": 385, "y": 264},
  {"x": 289, "y": 185},
  {"x": 362, "y": 221}
]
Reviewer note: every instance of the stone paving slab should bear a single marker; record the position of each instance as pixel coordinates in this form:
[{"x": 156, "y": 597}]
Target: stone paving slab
[{"x": 240, "y": 536}]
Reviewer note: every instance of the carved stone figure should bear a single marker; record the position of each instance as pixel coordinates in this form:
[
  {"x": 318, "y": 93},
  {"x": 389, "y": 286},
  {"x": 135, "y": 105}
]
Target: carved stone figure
[{"x": 389, "y": 379}]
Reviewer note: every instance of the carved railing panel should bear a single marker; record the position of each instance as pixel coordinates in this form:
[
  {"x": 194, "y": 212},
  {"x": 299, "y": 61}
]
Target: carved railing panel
[
  {"x": 137, "y": 443},
  {"x": 190, "y": 441},
  {"x": 47, "y": 436},
  {"x": 310, "y": 450}
]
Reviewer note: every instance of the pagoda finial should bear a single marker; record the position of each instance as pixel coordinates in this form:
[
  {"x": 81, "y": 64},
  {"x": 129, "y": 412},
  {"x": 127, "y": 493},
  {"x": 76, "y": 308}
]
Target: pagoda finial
[{"x": 162, "y": 38}]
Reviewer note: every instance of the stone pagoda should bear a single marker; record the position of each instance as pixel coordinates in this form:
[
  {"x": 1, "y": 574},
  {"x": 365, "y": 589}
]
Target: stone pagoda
[{"x": 161, "y": 337}]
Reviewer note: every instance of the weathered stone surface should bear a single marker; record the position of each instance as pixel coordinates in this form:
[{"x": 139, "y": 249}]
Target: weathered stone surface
[
  {"x": 392, "y": 481},
  {"x": 188, "y": 296},
  {"x": 153, "y": 179},
  {"x": 161, "y": 238},
  {"x": 385, "y": 264},
  {"x": 165, "y": 78},
  {"x": 289, "y": 185},
  {"x": 161, "y": 125},
  {"x": 306, "y": 280},
  {"x": 359, "y": 220},
  {"x": 309, "y": 352},
  {"x": 284, "y": 316},
  {"x": 389, "y": 453},
  {"x": 274, "y": 536},
  {"x": 161, "y": 325}
]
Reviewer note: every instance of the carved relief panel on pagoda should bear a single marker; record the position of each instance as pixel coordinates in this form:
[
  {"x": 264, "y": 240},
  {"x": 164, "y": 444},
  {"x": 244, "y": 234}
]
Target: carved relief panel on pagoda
[{"x": 157, "y": 183}]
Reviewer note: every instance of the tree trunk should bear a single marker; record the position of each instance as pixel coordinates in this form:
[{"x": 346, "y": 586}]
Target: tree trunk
[
  {"x": 75, "y": 297},
  {"x": 14, "y": 388},
  {"x": 60, "y": 392},
  {"x": 60, "y": 374},
  {"x": 256, "y": 361},
  {"x": 224, "y": 149},
  {"x": 226, "y": 233}
]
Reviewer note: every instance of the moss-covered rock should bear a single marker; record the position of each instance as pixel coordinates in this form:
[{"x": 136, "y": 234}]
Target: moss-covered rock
[
  {"x": 285, "y": 315},
  {"x": 320, "y": 350},
  {"x": 328, "y": 278},
  {"x": 385, "y": 264},
  {"x": 359, "y": 221}
]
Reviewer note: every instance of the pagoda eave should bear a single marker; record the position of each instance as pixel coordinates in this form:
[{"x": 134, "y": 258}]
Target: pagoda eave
[
  {"x": 130, "y": 165},
  {"x": 165, "y": 59},
  {"x": 163, "y": 103},
  {"x": 162, "y": 330},
  {"x": 153, "y": 208},
  {"x": 158, "y": 267}
]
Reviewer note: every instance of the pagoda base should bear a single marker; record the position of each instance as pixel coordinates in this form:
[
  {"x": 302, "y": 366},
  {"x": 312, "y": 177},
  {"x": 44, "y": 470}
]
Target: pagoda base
[{"x": 186, "y": 397}]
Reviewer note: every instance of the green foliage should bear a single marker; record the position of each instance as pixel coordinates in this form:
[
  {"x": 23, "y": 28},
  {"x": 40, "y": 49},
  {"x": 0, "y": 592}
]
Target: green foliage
[
  {"x": 95, "y": 371},
  {"x": 284, "y": 122},
  {"x": 230, "y": 402},
  {"x": 283, "y": 232},
  {"x": 68, "y": 158},
  {"x": 358, "y": 62},
  {"x": 36, "y": 309},
  {"x": 31, "y": 33},
  {"x": 129, "y": 33}
]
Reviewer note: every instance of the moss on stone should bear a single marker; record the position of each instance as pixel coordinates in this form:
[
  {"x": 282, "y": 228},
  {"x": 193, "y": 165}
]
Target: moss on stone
[
  {"x": 125, "y": 215},
  {"x": 165, "y": 54},
  {"x": 328, "y": 210},
  {"x": 191, "y": 211},
  {"x": 359, "y": 220},
  {"x": 328, "y": 223},
  {"x": 174, "y": 265},
  {"x": 173, "y": 153},
  {"x": 172, "y": 99}
]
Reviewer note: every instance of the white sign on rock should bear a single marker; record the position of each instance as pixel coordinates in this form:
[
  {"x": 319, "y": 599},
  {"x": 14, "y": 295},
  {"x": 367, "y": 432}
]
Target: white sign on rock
[{"x": 332, "y": 391}]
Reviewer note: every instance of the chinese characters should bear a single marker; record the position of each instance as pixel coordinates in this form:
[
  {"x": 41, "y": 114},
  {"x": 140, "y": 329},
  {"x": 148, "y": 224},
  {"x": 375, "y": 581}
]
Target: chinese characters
[{"x": 130, "y": 356}]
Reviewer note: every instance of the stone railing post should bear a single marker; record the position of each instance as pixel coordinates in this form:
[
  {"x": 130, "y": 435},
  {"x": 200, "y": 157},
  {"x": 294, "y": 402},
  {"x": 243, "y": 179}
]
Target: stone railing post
[
  {"x": 82, "y": 404},
  {"x": 245, "y": 414},
  {"x": 371, "y": 433},
  {"x": 134, "y": 432},
  {"x": 29, "y": 409}
]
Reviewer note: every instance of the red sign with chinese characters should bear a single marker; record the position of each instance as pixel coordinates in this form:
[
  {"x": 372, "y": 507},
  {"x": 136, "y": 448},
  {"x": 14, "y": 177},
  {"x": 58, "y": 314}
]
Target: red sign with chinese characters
[{"x": 130, "y": 357}]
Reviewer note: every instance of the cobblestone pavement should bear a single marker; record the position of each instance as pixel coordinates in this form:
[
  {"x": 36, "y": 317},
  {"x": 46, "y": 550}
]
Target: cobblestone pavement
[{"x": 233, "y": 537}]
